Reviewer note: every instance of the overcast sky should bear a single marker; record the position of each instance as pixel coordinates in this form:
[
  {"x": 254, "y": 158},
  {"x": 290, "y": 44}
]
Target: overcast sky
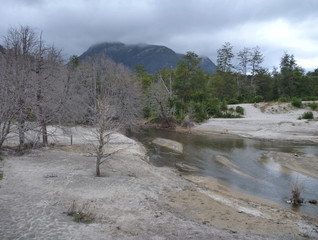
[{"x": 202, "y": 26}]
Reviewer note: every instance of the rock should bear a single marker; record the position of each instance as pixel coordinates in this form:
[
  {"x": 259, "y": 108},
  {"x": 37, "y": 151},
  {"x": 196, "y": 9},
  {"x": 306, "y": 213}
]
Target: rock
[
  {"x": 227, "y": 162},
  {"x": 173, "y": 145},
  {"x": 313, "y": 201},
  {"x": 186, "y": 167}
]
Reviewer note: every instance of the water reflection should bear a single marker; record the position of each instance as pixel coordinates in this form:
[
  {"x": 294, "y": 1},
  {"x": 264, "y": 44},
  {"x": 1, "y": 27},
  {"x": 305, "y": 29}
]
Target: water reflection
[{"x": 262, "y": 177}]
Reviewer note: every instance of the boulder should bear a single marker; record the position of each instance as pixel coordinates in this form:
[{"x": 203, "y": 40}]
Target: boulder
[
  {"x": 186, "y": 167},
  {"x": 173, "y": 145}
]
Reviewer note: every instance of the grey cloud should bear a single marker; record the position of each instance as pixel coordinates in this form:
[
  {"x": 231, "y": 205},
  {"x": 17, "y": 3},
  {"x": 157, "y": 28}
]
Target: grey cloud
[{"x": 196, "y": 25}]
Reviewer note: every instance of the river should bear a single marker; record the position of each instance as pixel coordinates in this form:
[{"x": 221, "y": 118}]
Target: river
[{"x": 266, "y": 181}]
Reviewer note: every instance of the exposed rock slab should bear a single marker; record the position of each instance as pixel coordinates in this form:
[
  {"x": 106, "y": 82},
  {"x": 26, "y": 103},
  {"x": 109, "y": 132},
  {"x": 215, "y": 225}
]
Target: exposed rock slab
[{"x": 173, "y": 145}]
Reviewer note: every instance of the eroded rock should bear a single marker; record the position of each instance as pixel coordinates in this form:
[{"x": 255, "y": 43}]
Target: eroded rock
[{"x": 173, "y": 145}]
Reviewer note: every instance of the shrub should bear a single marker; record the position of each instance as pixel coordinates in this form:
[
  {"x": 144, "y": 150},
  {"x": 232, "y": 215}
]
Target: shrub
[
  {"x": 258, "y": 99},
  {"x": 284, "y": 99},
  {"x": 227, "y": 114},
  {"x": 223, "y": 105},
  {"x": 296, "y": 102},
  {"x": 313, "y": 106},
  {"x": 1, "y": 175},
  {"x": 239, "y": 110},
  {"x": 307, "y": 115},
  {"x": 233, "y": 101},
  {"x": 296, "y": 194},
  {"x": 80, "y": 214}
]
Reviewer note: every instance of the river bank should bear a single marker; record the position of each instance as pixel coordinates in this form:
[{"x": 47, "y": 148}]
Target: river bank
[
  {"x": 268, "y": 121},
  {"x": 132, "y": 199}
]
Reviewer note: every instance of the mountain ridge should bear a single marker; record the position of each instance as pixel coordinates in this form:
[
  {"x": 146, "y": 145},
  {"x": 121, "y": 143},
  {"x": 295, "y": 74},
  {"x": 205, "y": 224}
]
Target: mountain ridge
[{"x": 152, "y": 57}]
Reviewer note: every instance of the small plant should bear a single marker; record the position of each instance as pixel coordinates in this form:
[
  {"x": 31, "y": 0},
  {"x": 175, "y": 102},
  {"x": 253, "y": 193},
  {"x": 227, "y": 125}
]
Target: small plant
[
  {"x": 296, "y": 198},
  {"x": 296, "y": 102},
  {"x": 307, "y": 115},
  {"x": 80, "y": 213},
  {"x": 1, "y": 158},
  {"x": 239, "y": 110},
  {"x": 1, "y": 175}
]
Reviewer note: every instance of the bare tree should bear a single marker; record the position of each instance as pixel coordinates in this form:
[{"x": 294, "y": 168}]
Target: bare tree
[
  {"x": 243, "y": 57},
  {"x": 159, "y": 96},
  {"x": 113, "y": 104},
  {"x": 20, "y": 45},
  {"x": 7, "y": 99},
  {"x": 49, "y": 86}
]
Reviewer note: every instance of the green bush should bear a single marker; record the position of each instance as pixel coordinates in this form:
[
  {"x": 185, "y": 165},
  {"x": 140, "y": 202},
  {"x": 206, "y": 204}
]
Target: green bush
[
  {"x": 258, "y": 99},
  {"x": 233, "y": 101},
  {"x": 284, "y": 99},
  {"x": 307, "y": 115},
  {"x": 239, "y": 110},
  {"x": 1, "y": 176},
  {"x": 313, "y": 106},
  {"x": 213, "y": 106},
  {"x": 227, "y": 114},
  {"x": 296, "y": 102},
  {"x": 223, "y": 106}
]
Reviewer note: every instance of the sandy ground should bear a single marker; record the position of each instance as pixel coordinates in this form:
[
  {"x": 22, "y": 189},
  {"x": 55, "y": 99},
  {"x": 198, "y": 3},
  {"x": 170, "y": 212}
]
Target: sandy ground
[
  {"x": 269, "y": 121},
  {"x": 135, "y": 200}
]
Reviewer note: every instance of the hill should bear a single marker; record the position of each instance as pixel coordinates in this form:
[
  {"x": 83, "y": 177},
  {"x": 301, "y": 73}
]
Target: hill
[{"x": 153, "y": 57}]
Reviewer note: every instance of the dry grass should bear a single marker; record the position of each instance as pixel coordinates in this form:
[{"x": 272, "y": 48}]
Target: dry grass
[{"x": 296, "y": 194}]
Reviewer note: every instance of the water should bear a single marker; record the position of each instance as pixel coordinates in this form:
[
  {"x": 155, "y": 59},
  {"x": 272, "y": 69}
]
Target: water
[{"x": 267, "y": 179}]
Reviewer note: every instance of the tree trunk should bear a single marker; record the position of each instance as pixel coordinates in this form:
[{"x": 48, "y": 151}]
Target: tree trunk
[
  {"x": 44, "y": 134},
  {"x": 98, "y": 159},
  {"x": 21, "y": 123}
]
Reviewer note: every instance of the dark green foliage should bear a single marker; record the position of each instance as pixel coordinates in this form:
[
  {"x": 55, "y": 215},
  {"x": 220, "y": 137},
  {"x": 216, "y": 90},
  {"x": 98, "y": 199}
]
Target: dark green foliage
[
  {"x": 296, "y": 102},
  {"x": 227, "y": 114},
  {"x": 258, "y": 99},
  {"x": 1, "y": 175},
  {"x": 307, "y": 115},
  {"x": 284, "y": 99},
  {"x": 239, "y": 110}
]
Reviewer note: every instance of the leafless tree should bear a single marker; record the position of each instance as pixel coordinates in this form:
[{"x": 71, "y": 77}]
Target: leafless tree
[
  {"x": 112, "y": 101},
  {"x": 7, "y": 100},
  {"x": 159, "y": 98},
  {"x": 49, "y": 82},
  {"x": 20, "y": 46}
]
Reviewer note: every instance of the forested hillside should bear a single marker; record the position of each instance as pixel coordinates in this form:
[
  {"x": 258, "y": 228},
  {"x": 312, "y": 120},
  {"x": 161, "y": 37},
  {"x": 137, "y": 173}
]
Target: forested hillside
[{"x": 152, "y": 57}]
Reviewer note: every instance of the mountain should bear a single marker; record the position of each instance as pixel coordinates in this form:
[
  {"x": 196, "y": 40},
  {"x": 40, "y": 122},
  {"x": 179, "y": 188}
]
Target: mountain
[{"x": 152, "y": 57}]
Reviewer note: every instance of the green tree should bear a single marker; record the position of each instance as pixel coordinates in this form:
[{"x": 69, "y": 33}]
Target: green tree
[
  {"x": 291, "y": 75},
  {"x": 190, "y": 88},
  {"x": 144, "y": 77},
  {"x": 225, "y": 56}
]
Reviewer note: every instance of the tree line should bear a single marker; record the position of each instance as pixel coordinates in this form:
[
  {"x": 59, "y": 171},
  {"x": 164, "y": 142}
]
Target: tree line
[
  {"x": 189, "y": 93},
  {"x": 39, "y": 89}
]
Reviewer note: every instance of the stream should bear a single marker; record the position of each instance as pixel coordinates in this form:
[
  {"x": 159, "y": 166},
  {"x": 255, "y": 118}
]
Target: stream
[{"x": 266, "y": 181}]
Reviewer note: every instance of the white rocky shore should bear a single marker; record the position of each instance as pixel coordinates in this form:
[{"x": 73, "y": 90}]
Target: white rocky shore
[
  {"x": 272, "y": 121},
  {"x": 135, "y": 200}
]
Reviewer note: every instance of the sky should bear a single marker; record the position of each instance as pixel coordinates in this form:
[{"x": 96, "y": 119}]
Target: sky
[{"x": 201, "y": 26}]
